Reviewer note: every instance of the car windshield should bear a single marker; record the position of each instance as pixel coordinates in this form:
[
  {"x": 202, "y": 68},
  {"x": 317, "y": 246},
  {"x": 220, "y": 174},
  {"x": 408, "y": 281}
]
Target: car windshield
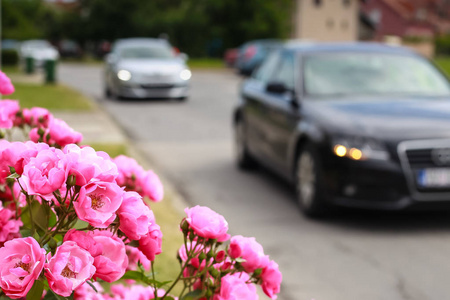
[
  {"x": 349, "y": 74},
  {"x": 37, "y": 44},
  {"x": 146, "y": 52}
]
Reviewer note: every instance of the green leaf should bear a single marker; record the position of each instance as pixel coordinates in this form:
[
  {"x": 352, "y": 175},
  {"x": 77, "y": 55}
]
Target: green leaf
[
  {"x": 51, "y": 295},
  {"x": 92, "y": 286},
  {"x": 138, "y": 276},
  {"x": 24, "y": 232},
  {"x": 194, "y": 295},
  {"x": 135, "y": 275},
  {"x": 36, "y": 291},
  {"x": 13, "y": 176},
  {"x": 52, "y": 218}
]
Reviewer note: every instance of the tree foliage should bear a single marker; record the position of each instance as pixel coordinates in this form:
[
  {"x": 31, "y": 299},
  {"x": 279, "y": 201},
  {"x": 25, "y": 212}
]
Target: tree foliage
[{"x": 197, "y": 27}]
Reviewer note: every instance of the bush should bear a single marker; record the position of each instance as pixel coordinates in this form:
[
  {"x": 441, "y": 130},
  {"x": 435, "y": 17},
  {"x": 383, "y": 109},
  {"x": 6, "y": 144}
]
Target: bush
[
  {"x": 443, "y": 45},
  {"x": 10, "y": 57}
]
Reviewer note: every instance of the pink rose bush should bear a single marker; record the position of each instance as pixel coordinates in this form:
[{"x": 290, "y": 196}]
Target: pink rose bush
[{"x": 73, "y": 219}]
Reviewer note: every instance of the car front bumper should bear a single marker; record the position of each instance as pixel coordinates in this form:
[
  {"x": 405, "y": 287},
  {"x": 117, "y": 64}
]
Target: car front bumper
[
  {"x": 378, "y": 185},
  {"x": 142, "y": 91}
]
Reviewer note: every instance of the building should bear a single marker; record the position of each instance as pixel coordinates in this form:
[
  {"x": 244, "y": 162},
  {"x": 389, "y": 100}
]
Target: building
[{"x": 326, "y": 20}]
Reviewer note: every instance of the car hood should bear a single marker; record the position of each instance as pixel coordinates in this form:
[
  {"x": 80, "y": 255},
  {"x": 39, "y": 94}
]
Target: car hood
[
  {"x": 146, "y": 66},
  {"x": 393, "y": 119}
]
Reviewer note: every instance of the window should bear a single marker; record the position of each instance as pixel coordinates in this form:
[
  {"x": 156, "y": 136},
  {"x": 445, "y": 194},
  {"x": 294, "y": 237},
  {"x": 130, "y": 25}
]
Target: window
[
  {"x": 268, "y": 67},
  {"x": 285, "y": 71}
]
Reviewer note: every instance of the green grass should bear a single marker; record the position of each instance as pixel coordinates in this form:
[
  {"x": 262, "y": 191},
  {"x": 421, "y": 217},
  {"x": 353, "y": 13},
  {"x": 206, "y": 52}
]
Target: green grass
[
  {"x": 52, "y": 97},
  {"x": 206, "y": 63},
  {"x": 444, "y": 63},
  {"x": 112, "y": 149},
  {"x": 8, "y": 70}
]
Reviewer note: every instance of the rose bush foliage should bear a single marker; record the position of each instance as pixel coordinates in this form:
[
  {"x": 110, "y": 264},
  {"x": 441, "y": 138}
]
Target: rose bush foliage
[{"x": 72, "y": 218}]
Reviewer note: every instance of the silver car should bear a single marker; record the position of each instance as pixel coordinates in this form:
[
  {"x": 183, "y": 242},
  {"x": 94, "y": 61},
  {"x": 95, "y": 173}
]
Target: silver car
[
  {"x": 146, "y": 68},
  {"x": 39, "y": 50}
]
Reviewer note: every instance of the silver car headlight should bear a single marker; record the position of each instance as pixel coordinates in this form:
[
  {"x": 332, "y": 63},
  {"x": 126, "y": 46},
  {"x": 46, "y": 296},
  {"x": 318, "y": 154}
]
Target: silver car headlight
[
  {"x": 185, "y": 74},
  {"x": 124, "y": 75},
  {"x": 360, "y": 148}
]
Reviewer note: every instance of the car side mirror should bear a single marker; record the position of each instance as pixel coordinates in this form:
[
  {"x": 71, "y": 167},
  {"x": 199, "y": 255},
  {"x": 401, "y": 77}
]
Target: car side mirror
[{"x": 276, "y": 87}]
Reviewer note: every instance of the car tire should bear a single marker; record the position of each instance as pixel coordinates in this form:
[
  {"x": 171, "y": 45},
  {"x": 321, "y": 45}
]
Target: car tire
[
  {"x": 309, "y": 183},
  {"x": 244, "y": 160},
  {"x": 107, "y": 93}
]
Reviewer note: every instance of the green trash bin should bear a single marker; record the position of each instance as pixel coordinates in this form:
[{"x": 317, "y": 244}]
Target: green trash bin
[
  {"x": 29, "y": 65},
  {"x": 50, "y": 71}
]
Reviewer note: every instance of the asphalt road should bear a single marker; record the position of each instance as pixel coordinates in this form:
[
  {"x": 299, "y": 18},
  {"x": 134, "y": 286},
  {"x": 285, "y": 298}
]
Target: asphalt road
[{"x": 354, "y": 255}]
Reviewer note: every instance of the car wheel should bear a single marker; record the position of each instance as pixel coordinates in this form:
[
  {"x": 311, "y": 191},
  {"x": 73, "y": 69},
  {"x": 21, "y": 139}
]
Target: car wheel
[
  {"x": 309, "y": 183},
  {"x": 243, "y": 158},
  {"x": 107, "y": 92}
]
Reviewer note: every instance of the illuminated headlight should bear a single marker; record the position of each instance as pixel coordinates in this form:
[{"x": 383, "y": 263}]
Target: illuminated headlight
[
  {"x": 360, "y": 149},
  {"x": 124, "y": 75},
  {"x": 185, "y": 74}
]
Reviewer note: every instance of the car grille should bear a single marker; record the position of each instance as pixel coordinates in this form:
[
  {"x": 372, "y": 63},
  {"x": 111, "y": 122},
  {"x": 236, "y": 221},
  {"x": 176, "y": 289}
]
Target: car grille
[
  {"x": 420, "y": 158},
  {"x": 417, "y": 157},
  {"x": 157, "y": 86}
]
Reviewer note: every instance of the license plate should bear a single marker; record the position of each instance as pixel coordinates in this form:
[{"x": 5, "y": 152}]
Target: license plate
[{"x": 434, "y": 178}]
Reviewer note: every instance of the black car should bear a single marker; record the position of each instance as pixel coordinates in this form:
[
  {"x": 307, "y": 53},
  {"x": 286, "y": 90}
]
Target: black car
[{"x": 357, "y": 125}]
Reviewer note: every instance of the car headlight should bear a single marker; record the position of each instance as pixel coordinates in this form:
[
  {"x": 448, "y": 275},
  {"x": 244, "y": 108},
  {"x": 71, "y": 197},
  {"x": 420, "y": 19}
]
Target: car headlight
[
  {"x": 185, "y": 74},
  {"x": 124, "y": 75},
  {"x": 360, "y": 148}
]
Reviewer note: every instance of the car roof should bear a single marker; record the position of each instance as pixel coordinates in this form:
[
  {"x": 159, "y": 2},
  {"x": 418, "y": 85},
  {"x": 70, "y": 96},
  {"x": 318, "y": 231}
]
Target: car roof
[{"x": 314, "y": 47}]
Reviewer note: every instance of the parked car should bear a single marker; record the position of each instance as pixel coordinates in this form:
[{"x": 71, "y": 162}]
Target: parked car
[
  {"x": 355, "y": 125},
  {"x": 39, "y": 50},
  {"x": 251, "y": 54},
  {"x": 230, "y": 57},
  {"x": 69, "y": 49},
  {"x": 146, "y": 68}
]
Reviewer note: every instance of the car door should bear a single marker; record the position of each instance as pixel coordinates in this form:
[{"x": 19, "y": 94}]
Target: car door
[
  {"x": 254, "y": 109},
  {"x": 281, "y": 112}
]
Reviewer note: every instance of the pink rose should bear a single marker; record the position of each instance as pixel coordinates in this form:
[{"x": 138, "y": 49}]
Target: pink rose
[
  {"x": 113, "y": 262},
  {"x": 271, "y": 280},
  {"x": 86, "y": 292},
  {"x": 89, "y": 165},
  {"x": 151, "y": 243},
  {"x": 44, "y": 174},
  {"x": 85, "y": 240},
  {"x": 151, "y": 186},
  {"x": 57, "y": 133},
  {"x": 98, "y": 202},
  {"x": 37, "y": 116},
  {"x": 134, "y": 256},
  {"x": 250, "y": 250},
  {"x": 6, "y": 87},
  {"x": 234, "y": 287},
  {"x": 129, "y": 170},
  {"x": 21, "y": 262},
  {"x": 207, "y": 223},
  {"x": 134, "y": 178},
  {"x": 135, "y": 217},
  {"x": 8, "y": 111},
  {"x": 18, "y": 154},
  {"x": 69, "y": 268},
  {"x": 9, "y": 226}
]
